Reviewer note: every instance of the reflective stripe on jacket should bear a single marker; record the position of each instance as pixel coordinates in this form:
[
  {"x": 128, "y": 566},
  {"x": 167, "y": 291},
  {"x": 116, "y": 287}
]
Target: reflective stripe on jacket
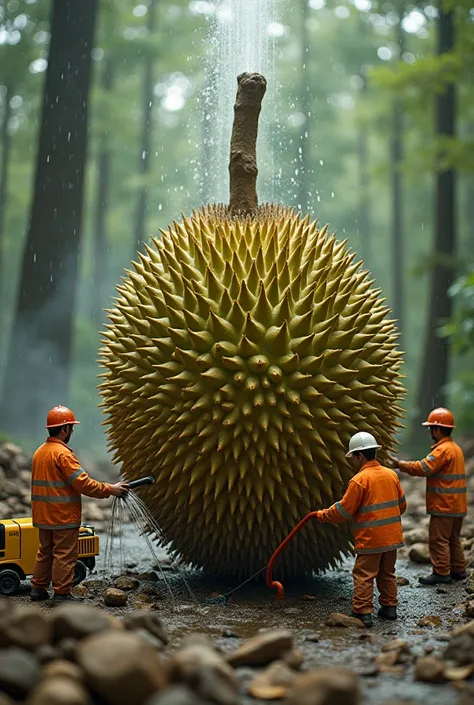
[
  {"x": 446, "y": 490},
  {"x": 374, "y": 501},
  {"x": 57, "y": 482}
]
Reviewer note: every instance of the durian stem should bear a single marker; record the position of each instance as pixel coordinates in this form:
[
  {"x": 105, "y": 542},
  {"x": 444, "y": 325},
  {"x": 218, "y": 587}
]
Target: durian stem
[{"x": 243, "y": 147}]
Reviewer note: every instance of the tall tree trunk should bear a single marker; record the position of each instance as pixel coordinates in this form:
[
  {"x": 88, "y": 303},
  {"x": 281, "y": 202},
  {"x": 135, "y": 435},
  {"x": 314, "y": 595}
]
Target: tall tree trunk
[
  {"x": 39, "y": 359},
  {"x": 302, "y": 159},
  {"x": 435, "y": 359},
  {"x": 5, "y": 139},
  {"x": 146, "y": 135},
  {"x": 364, "y": 220},
  {"x": 101, "y": 207},
  {"x": 469, "y": 203},
  {"x": 396, "y": 150}
]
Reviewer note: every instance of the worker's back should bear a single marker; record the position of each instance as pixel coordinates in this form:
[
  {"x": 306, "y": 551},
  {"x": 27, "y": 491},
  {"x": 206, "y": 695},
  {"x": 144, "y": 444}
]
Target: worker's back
[
  {"x": 377, "y": 522},
  {"x": 54, "y": 502}
]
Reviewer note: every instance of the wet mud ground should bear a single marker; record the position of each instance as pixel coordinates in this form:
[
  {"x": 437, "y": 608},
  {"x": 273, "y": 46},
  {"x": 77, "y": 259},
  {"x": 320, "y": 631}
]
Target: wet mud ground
[{"x": 254, "y": 607}]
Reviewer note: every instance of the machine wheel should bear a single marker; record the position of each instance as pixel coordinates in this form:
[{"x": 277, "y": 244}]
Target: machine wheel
[
  {"x": 9, "y": 582},
  {"x": 80, "y": 573},
  {"x": 89, "y": 562}
]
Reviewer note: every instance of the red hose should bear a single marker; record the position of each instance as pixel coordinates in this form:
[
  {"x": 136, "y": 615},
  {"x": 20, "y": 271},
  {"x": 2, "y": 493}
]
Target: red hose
[{"x": 274, "y": 583}]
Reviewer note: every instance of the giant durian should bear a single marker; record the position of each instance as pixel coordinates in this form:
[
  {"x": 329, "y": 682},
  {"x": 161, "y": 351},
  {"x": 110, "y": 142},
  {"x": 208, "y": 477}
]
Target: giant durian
[{"x": 244, "y": 350}]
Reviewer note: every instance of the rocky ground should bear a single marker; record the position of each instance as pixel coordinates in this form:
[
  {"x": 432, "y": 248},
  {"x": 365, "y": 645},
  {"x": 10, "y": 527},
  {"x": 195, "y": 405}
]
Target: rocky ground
[{"x": 144, "y": 646}]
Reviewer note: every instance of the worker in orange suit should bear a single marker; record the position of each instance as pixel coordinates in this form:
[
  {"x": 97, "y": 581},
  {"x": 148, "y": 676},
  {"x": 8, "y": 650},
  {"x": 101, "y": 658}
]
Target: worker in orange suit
[
  {"x": 374, "y": 501},
  {"x": 446, "y": 498},
  {"x": 57, "y": 483}
]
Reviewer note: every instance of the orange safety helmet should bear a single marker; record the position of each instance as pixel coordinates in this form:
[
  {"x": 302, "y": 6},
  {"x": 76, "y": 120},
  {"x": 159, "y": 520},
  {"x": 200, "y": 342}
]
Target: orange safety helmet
[
  {"x": 60, "y": 416},
  {"x": 440, "y": 417}
]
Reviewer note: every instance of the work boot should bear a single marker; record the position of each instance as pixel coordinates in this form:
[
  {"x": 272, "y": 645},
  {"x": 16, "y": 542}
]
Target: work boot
[
  {"x": 39, "y": 594},
  {"x": 435, "y": 579},
  {"x": 66, "y": 598},
  {"x": 366, "y": 619},
  {"x": 459, "y": 576},
  {"x": 386, "y": 612}
]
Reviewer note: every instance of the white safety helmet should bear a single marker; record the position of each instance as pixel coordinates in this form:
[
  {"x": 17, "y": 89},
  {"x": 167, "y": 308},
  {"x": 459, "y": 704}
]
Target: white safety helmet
[{"x": 361, "y": 441}]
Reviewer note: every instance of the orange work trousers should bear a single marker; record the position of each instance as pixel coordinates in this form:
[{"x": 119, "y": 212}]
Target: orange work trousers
[
  {"x": 446, "y": 552},
  {"x": 378, "y": 566},
  {"x": 56, "y": 560}
]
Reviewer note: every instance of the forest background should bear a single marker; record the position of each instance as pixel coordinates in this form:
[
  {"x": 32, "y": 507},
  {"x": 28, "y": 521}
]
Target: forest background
[{"x": 370, "y": 128}]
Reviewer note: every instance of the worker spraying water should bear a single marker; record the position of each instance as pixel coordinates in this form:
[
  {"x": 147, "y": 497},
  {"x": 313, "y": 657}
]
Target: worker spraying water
[
  {"x": 57, "y": 483},
  {"x": 374, "y": 501}
]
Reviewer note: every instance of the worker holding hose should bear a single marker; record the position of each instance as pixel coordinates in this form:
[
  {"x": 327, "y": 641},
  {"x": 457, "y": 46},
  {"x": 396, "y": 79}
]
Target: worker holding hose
[
  {"x": 446, "y": 498},
  {"x": 57, "y": 483},
  {"x": 374, "y": 501}
]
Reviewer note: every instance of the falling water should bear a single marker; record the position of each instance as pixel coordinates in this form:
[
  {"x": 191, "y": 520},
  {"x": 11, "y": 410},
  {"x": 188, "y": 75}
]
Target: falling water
[
  {"x": 114, "y": 555},
  {"x": 241, "y": 39}
]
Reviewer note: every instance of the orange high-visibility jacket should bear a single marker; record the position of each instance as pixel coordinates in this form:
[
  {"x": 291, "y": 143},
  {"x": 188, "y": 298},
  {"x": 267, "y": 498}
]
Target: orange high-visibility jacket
[
  {"x": 446, "y": 491},
  {"x": 374, "y": 501},
  {"x": 57, "y": 482}
]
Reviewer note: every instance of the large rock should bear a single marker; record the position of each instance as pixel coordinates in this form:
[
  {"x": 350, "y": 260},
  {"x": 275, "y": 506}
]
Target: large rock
[
  {"x": 115, "y": 598},
  {"x": 27, "y": 628},
  {"x": 176, "y": 695},
  {"x": 337, "y": 619},
  {"x": 262, "y": 649},
  {"x": 46, "y": 653},
  {"x": 429, "y": 669},
  {"x": 78, "y": 621},
  {"x": 419, "y": 553},
  {"x": 19, "y": 672},
  {"x": 121, "y": 667},
  {"x": 95, "y": 584},
  {"x": 464, "y": 629},
  {"x": 59, "y": 691},
  {"x": 149, "y": 621},
  {"x": 325, "y": 686},
  {"x": 5, "y": 699},
  {"x": 202, "y": 668},
  {"x": 125, "y": 582},
  {"x": 416, "y": 536},
  {"x": 399, "y": 645},
  {"x": 63, "y": 669},
  {"x": 460, "y": 649},
  {"x": 68, "y": 648}
]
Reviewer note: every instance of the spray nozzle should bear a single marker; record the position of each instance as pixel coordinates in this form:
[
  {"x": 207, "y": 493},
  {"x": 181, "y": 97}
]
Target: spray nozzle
[{"x": 140, "y": 482}]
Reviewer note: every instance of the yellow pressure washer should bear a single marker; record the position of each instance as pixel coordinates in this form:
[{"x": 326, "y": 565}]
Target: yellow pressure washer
[{"x": 19, "y": 541}]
